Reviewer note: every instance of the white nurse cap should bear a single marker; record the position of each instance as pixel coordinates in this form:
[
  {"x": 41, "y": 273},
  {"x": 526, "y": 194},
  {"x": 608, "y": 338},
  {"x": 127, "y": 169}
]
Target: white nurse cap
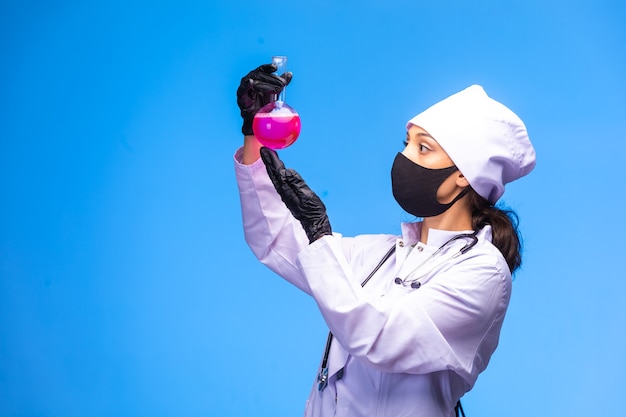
[{"x": 487, "y": 142}]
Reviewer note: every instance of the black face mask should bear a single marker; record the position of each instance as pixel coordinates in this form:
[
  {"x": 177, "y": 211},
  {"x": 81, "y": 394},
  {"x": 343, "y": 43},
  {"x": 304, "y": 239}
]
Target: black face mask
[{"x": 415, "y": 187}]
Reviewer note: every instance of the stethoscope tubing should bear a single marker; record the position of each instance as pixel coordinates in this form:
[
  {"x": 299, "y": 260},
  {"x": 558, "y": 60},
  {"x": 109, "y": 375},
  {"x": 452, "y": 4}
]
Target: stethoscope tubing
[{"x": 415, "y": 283}]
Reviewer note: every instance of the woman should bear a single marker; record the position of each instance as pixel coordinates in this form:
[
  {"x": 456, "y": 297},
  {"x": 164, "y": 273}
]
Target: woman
[{"x": 413, "y": 318}]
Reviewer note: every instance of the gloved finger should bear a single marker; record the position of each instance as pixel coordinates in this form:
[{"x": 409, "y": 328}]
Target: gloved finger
[
  {"x": 269, "y": 83},
  {"x": 262, "y": 69},
  {"x": 265, "y": 75},
  {"x": 270, "y": 69},
  {"x": 287, "y": 182},
  {"x": 267, "y": 68},
  {"x": 273, "y": 79},
  {"x": 262, "y": 73},
  {"x": 270, "y": 158},
  {"x": 287, "y": 77},
  {"x": 273, "y": 165}
]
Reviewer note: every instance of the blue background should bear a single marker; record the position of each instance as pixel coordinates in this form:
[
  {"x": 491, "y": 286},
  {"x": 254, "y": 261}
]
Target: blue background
[{"x": 126, "y": 287}]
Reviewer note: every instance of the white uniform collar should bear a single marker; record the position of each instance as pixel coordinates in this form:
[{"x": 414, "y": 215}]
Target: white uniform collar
[{"x": 411, "y": 233}]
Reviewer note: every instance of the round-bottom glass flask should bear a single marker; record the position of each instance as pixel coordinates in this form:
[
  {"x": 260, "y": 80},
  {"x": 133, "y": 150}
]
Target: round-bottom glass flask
[{"x": 277, "y": 125}]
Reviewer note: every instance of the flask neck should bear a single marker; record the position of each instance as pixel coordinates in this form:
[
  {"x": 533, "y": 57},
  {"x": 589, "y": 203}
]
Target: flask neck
[{"x": 281, "y": 68}]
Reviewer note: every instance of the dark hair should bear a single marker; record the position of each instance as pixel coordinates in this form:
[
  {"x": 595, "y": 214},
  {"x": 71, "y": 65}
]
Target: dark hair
[{"x": 504, "y": 228}]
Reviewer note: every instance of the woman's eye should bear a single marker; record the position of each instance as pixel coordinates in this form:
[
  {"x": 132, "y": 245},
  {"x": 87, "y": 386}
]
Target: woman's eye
[{"x": 424, "y": 148}]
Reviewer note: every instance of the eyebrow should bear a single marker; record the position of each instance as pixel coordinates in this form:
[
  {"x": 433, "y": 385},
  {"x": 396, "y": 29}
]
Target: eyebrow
[
  {"x": 425, "y": 135},
  {"x": 421, "y": 135}
]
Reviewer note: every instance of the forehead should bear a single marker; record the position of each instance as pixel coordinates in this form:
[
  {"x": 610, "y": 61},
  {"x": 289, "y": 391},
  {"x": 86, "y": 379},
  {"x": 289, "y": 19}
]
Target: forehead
[{"x": 416, "y": 131}]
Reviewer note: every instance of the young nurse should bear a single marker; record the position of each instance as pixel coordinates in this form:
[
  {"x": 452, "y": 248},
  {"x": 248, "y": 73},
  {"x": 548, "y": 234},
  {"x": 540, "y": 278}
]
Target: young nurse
[{"x": 414, "y": 318}]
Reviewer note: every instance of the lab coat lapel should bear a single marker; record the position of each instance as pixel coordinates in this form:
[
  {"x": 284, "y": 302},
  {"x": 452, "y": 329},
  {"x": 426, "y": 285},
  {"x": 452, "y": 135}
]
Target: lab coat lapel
[{"x": 337, "y": 358}]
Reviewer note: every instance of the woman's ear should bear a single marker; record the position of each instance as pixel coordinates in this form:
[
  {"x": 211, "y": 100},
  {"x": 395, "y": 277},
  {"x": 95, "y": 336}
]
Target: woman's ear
[{"x": 461, "y": 181}]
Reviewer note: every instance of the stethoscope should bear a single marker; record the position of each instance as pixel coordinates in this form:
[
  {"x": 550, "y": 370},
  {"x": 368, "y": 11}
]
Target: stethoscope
[
  {"x": 322, "y": 377},
  {"x": 415, "y": 281}
]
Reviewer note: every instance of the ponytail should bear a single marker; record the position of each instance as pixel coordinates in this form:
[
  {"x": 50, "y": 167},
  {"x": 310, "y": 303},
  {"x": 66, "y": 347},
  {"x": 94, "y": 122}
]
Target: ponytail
[{"x": 504, "y": 228}]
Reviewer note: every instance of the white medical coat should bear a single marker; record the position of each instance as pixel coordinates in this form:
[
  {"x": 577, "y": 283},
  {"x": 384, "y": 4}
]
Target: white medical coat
[{"x": 404, "y": 351}]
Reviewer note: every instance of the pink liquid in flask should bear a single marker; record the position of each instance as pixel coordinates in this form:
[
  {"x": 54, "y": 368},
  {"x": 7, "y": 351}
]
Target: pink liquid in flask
[{"x": 278, "y": 128}]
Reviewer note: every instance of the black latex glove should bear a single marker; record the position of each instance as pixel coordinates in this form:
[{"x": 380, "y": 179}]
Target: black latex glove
[
  {"x": 257, "y": 89},
  {"x": 303, "y": 203}
]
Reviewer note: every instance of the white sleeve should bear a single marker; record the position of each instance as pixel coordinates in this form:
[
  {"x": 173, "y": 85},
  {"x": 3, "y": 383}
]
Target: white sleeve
[
  {"x": 270, "y": 230},
  {"x": 451, "y": 323}
]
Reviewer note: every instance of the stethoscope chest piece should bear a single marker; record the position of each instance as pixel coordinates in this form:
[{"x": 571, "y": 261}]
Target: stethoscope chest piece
[{"x": 415, "y": 284}]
